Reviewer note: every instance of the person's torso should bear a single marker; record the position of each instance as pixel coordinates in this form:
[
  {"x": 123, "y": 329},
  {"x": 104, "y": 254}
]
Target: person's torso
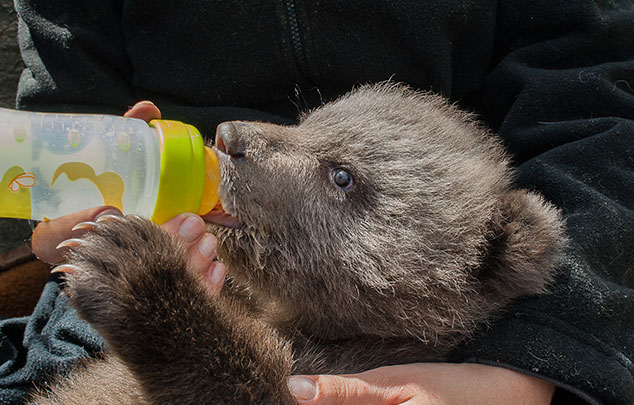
[{"x": 282, "y": 55}]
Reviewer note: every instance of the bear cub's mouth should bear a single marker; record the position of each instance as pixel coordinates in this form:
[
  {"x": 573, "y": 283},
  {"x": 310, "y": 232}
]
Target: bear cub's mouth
[{"x": 218, "y": 216}]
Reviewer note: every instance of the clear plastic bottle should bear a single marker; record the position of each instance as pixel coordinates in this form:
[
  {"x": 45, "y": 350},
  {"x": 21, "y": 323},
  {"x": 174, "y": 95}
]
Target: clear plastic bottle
[{"x": 54, "y": 164}]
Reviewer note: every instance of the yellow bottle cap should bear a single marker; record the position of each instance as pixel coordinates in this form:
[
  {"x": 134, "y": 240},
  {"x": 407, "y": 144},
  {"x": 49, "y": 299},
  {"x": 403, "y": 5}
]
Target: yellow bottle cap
[{"x": 189, "y": 171}]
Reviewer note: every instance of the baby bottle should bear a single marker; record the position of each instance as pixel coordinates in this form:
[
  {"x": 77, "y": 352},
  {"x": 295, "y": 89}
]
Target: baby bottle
[{"x": 54, "y": 164}]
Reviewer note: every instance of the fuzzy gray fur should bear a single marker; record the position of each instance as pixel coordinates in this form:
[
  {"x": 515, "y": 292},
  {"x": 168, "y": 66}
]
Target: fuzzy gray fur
[{"x": 427, "y": 245}]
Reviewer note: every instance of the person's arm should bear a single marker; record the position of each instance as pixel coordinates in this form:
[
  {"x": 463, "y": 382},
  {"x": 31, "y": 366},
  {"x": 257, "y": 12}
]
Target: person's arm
[
  {"x": 75, "y": 57},
  {"x": 79, "y": 58},
  {"x": 423, "y": 383},
  {"x": 561, "y": 96}
]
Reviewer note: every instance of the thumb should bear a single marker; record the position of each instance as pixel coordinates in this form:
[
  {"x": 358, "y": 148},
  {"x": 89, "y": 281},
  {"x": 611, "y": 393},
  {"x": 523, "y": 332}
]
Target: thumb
[
  {"x": 145, "y": 110},
  {"x": 337, "y": 389}
]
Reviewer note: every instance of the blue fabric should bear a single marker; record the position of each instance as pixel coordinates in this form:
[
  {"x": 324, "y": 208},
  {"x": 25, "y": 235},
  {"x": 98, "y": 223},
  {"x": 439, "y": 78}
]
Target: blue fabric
[{"x": 48, "y": 342}]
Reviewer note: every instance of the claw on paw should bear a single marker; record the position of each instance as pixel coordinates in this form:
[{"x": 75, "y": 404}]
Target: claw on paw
[
  {"x": 109, "y": 217},
  {"x": 85, "y": 226},
  {"x": 70, "y": 243},
  {"x": 65, "y": 268}
]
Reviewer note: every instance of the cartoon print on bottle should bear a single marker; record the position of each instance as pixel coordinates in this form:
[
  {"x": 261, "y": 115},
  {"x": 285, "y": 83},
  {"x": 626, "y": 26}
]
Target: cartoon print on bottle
[
  {"x": 109, "y": 184},
  {"x": 74, "y": 137},
  {"x": 19, "y": 133},
  {"x": 15, "y": 192}
]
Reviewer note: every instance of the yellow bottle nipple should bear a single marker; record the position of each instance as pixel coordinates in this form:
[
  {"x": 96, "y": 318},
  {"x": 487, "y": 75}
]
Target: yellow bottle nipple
[{"x": 212, "y": 181}]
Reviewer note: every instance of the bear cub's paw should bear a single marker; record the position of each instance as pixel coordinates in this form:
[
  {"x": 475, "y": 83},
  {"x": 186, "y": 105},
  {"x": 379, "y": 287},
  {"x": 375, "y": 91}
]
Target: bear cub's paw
[{"x": 117, "y": 266}]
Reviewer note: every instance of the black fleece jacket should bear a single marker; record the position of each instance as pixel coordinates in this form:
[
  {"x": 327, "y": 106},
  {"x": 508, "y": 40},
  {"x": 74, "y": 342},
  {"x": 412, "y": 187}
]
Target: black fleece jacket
[{"x": 554, "y": 78}]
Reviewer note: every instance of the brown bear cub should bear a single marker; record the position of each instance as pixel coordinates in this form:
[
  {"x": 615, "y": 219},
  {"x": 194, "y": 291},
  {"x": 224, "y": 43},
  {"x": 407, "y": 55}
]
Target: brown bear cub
[{"x": 383, "y": 229}]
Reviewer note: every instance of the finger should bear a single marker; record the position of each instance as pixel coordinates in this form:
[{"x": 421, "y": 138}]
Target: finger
[
  {"x": 341, "y": 390},
  {"x": 214, "y": 277},
  {"x": 188, "y": 227},
  {"x": 145, "y": 110},
  {"x": 200, "y": 258},
  {"x": 201, "y": 248},
  {"x": 49, "y": 234}
]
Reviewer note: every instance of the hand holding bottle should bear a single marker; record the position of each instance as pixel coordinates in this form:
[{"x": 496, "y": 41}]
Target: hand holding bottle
[
  {"x": 49, "y": 234},
  {"x": 189, "y": 227}
]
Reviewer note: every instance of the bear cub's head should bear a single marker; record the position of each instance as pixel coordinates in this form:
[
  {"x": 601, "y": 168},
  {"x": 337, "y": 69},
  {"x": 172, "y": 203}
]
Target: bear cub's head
[{"x": 387, "y": 212}]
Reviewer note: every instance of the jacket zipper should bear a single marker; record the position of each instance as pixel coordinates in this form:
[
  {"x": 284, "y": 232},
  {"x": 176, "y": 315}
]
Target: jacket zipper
[{"x": 298, "y": 48}]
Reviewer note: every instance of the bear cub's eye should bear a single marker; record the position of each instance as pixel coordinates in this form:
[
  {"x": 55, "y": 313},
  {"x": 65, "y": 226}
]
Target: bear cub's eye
[{"x": 342, "y": 179}]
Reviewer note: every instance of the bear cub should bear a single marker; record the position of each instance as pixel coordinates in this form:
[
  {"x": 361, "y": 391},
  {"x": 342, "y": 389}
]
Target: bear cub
[{"x": 383, "y": 229}]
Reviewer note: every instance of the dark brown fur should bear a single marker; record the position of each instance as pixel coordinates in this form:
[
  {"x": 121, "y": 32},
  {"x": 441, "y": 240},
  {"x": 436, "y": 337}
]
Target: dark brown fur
[{"x": 428, "y": 244}]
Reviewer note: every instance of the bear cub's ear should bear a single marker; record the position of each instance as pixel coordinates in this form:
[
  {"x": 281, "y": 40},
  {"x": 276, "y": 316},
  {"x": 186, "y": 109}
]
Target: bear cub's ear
[{"x": 527, "y": 240}]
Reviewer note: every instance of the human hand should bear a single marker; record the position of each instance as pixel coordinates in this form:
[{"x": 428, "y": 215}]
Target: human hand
[
  {"x": 423, "y": 383},
  {"x": 51, "y": 240},
  {"x": 48, "y": 236}
]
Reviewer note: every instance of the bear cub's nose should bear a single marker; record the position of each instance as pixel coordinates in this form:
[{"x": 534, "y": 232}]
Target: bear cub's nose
[{"x": 229, "y": 141}]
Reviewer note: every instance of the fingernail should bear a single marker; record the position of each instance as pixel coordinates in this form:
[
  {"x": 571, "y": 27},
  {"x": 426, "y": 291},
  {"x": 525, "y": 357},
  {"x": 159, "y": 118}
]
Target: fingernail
[
  {"x": 191, "y": 228},
  {"x": 302, "y": 388},
  {"x": 217, "y": 276},
  {"x": 207, "y": 246}
]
